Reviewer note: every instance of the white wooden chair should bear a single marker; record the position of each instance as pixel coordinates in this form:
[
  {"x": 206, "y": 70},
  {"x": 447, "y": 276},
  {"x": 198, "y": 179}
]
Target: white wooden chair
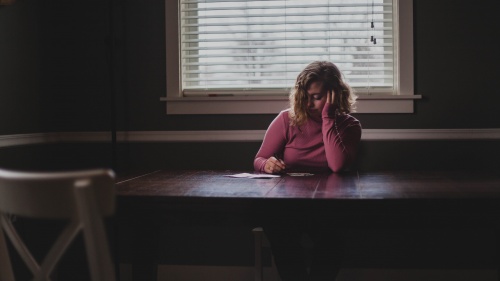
[{"x": 81, "y": 197}]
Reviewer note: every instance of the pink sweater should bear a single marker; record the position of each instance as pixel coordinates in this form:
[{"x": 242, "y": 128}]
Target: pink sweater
[{"x": 330, "y": 144}]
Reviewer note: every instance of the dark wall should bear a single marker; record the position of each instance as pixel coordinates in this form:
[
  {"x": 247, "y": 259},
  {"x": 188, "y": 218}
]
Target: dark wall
[
  {"x": 20, "y": 97},
  {"x": 73, "y": 66},
  {"x": 74, "y": 49},
  {"x": 54, "y": 66}
]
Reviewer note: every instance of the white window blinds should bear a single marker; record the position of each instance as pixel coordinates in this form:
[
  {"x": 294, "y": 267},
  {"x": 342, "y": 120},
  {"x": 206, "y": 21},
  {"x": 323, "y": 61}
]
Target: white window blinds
[{"x": 246, "y": 47}]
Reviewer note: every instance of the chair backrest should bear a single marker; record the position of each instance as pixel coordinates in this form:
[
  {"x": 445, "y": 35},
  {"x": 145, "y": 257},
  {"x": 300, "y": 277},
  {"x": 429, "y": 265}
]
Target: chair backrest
[{"x": 82, "y": 197}]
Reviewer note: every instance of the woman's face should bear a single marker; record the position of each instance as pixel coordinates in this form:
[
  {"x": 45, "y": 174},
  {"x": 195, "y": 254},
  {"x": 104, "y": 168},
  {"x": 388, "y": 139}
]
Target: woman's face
[{"x": 316, "y": 99}]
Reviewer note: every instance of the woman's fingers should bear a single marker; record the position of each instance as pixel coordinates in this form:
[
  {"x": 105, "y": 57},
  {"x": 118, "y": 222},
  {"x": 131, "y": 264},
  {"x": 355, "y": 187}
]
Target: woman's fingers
[
  {"x": 279, "y": 163},
  {"x": 274, "y": 165},
  {"x": 330, "y": 97}
]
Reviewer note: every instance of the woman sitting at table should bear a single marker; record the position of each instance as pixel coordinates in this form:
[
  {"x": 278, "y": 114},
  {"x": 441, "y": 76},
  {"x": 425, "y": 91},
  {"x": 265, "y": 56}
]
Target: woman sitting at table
[{"x": 316, "y": 134}]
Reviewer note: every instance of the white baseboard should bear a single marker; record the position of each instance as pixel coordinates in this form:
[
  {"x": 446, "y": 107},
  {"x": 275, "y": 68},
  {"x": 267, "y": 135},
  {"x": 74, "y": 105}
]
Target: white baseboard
[
  {"x": 21, "y": 139},
  {"x": 239, "y": 136}
]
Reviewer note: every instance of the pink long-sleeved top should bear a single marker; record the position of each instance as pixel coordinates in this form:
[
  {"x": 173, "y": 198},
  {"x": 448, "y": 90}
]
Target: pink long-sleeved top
[{"x": 328, "y": 144}]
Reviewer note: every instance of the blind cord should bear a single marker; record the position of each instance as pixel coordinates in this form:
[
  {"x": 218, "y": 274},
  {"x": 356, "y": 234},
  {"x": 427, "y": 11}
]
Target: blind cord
[{"x": 373, "y": 39}]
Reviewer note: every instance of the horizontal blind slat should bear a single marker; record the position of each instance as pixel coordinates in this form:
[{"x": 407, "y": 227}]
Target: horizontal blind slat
[
  {"x": 294, "y": 3},
  {"x": 291, "y": 38},
  {"x": 276, "y": 22},
  {"x": 274, "y": 15},
  {"x": 288, "y": 46},
  {"x": 281, "y": 54},
  {"x": 271, "y": 78},
  {"x": 274, "y": 62},
  {"x": 286, "y": 70}
]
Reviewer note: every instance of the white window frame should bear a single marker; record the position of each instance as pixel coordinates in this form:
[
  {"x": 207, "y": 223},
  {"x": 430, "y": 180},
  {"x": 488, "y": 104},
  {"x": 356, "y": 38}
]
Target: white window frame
[{"x": 401, "y": 102}]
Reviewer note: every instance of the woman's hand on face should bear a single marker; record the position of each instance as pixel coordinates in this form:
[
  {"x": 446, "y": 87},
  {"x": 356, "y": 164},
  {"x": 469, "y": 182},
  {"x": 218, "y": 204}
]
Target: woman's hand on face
[{"x": 274, "y": 166}]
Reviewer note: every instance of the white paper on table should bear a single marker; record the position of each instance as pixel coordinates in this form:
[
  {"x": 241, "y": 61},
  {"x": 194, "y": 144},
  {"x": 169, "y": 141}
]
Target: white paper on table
[
  {"x": 300, "y": 174},
  {"x": 253, "y": 176}
]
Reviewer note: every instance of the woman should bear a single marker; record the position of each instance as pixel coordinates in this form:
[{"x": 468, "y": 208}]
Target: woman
[{"x": 316, "y": 134}]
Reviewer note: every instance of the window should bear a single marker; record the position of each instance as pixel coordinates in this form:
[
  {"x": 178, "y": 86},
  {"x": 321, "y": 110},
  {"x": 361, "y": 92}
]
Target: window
[{"x": 242, "y": 56}]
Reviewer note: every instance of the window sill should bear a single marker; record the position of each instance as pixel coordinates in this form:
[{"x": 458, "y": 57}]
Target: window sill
[{"x": 274, "y": 104}]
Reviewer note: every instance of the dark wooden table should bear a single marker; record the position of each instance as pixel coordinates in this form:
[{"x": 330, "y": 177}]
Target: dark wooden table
[{"x": 409, "y": 199}]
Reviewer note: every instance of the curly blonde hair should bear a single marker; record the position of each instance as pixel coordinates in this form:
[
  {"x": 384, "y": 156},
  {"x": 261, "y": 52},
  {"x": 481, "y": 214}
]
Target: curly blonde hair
[{"x": 332, "y": 79}]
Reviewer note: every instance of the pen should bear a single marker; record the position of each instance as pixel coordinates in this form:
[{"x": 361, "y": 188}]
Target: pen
[{"x": 277, "y": 158}]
